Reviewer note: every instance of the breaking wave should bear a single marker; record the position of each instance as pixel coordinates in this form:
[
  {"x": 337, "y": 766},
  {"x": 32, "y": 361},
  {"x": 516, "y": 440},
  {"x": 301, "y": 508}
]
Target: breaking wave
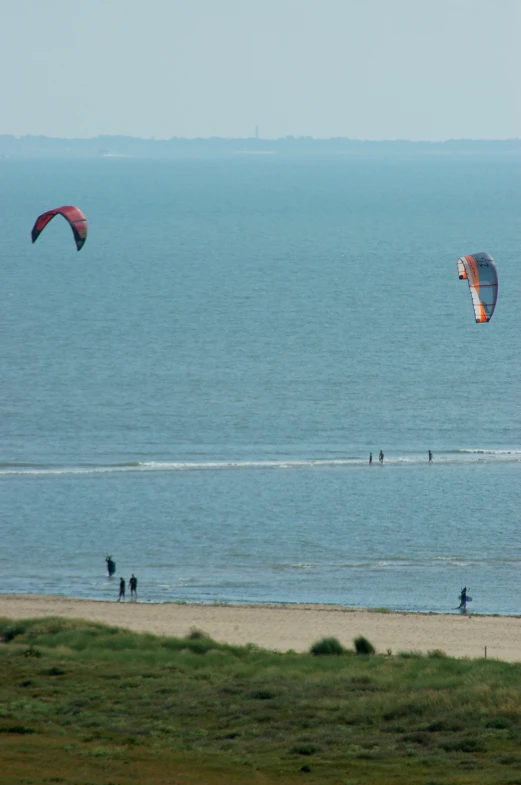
[{"x": 451, "y": 457}]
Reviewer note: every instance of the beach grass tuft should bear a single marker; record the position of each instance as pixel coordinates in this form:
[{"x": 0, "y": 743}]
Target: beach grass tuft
[
  {"x": 363, "y": 646},
  {"x": 327, "y": 646}
]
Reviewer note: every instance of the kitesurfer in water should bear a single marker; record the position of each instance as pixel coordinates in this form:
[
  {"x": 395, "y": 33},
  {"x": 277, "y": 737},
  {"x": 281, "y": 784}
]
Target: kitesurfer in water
[
  {"x": 381, "y": 456},
  {"x": 430, "y": 456},
  {"x": 121, "y": 589},
  {"x": 370, "y": 457},
  {"x": 133, "y": 587},
  {"x": 111, "y": 565}
]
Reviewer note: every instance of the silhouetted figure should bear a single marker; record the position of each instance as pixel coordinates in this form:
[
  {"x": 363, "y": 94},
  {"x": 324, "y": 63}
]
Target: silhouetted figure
[
  {"x": 370, "y": 457},
  {"x": 111, "y": 566},
  {"x": 133, "y": 587},
  {"x": 121, "y": 589},
  {"x": 430, "y": 456},
  {"x": 381, "y": 456},
  {"x": 463, "y": 599}
]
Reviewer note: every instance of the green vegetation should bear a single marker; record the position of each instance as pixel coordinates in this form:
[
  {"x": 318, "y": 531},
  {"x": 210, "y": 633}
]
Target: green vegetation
[
  {"x": 327, "y": 646},
  {"x": 86, "y": 704},
  {"x": 363, "y": 646}
]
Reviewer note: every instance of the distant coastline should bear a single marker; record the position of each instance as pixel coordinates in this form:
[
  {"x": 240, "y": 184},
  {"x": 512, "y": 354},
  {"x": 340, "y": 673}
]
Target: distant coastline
[{"x": 290, "y": 146}]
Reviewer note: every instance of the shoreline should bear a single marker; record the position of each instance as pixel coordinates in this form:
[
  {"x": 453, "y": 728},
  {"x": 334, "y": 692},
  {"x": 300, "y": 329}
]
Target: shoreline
[{"x": 287, "y": 627}]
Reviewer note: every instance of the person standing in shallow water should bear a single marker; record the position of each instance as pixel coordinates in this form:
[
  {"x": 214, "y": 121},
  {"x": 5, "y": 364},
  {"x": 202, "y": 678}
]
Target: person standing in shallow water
[
  {"x": 111, "y": 566},
  {"x": 133, "y": 587},
  {"x": 430, "y": 456},
  {"x": 121, "y": 589},
  {"x": 381, "y": 456},
  {"x": 370, "y": 457}
]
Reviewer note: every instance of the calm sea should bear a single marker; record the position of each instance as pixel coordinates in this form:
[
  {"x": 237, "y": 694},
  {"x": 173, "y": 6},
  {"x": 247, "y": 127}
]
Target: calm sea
[{"x": 197, "y": 391}]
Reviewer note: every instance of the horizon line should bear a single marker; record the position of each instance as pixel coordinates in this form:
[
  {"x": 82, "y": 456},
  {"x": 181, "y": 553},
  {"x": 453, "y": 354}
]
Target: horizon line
[{"x": 287, "y": 138}]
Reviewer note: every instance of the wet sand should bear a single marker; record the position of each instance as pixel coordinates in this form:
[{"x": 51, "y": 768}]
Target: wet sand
[{"x": 285, "y": 627}]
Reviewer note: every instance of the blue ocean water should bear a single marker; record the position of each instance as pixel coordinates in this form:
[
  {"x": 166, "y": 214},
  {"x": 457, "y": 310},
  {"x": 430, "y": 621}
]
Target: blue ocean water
[{"x": 197, "y": 392}]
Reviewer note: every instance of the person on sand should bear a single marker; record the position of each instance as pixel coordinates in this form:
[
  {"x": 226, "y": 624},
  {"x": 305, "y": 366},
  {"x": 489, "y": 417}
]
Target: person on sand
[
  {"x": 133, "y": 587},
  {"x": 381, "y": 456},
  {"x": 121, "y": 589}
]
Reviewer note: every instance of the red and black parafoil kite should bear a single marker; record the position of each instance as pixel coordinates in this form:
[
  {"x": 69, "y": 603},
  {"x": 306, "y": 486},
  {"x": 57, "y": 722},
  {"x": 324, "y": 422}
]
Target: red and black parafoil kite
[{"x": 73, "y": 215}]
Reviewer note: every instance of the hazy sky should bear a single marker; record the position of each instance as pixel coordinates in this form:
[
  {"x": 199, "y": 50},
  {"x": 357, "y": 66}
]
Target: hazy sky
[{"x": 367, "y": 69}]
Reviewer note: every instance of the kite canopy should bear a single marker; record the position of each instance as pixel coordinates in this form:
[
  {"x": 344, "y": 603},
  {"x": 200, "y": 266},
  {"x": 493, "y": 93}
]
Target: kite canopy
[
  {"x": 481, "y": 273},
  {"x": 73, "y": 215}
]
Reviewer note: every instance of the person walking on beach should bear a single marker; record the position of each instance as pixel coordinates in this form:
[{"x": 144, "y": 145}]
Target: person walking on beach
[
  {"x": 133, "y": 587},
  {"x": 121, "y": 589},
  {"x": 381, "y": 456},
  {"x": 430, "y": 456},
  {"x": 370, "y": 457}
]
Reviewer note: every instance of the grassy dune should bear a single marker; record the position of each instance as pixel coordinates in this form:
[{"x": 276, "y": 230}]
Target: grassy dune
[{"x": 86, "y": 704}]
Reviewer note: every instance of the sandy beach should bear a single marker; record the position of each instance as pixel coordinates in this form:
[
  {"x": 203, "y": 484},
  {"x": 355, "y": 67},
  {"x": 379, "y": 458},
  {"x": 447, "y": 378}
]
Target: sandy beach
[{"x": 284, "y": 627}]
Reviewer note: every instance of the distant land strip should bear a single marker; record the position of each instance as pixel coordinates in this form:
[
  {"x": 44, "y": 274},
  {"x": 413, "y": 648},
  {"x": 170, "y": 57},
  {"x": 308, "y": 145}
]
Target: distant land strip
[{"x": 179, "y": 147}]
